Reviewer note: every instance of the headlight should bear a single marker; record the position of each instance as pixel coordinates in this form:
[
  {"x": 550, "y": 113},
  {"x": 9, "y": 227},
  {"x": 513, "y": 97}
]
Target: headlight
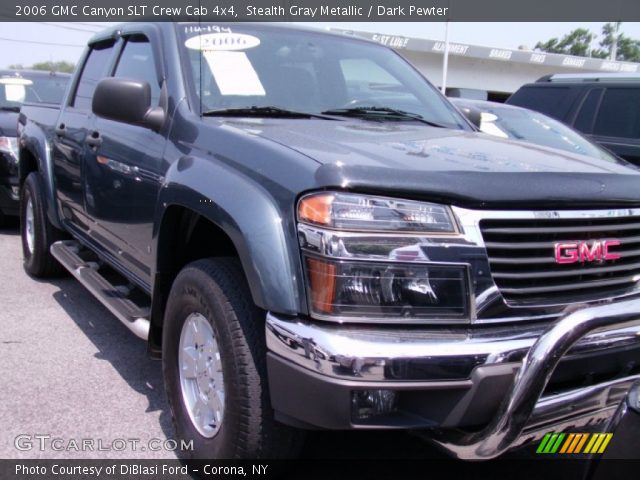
[
  {"x": 9, "y": 145},
  {"x": 374, "y": 291},
  {"x": 379, "y": 259},
  {"x": 348, "y": 211}
]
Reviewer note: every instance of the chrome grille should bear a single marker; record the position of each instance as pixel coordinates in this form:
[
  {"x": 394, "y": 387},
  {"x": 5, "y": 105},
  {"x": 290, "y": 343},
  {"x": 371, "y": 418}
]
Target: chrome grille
[{"x": 523, "y": 265}]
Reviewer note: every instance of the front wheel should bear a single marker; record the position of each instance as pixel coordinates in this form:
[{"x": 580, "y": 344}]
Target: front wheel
[
  {"x": 214, "y": 363},
  {"x": 38, "y": 234}
]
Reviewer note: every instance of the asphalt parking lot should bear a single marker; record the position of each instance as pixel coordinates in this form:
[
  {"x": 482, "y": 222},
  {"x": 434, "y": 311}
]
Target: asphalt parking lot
[{"x": 71, "y": 371}]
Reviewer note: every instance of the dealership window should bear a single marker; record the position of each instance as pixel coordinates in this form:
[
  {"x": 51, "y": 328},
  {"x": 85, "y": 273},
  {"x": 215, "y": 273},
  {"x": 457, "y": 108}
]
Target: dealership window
[
  {"x": 619, "y": 114},
  {"x": 136, "y": 62},
  {"x": 94, "y": 70}
]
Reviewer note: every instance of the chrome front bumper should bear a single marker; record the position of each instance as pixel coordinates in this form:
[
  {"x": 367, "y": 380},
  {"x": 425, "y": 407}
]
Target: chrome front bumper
[{"x": 369, "y": 356}]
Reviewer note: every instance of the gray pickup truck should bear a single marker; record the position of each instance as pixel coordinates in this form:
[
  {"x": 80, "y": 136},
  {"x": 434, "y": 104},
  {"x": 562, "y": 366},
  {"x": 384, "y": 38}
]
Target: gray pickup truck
[{"x": 311, "y": 236}]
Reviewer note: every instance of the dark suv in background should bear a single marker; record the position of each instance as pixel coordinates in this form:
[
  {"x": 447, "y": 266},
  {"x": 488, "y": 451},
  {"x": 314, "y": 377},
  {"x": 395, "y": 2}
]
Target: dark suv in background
[
  {"x": 16, "y": 88},
  {"x": 606, "y": 107}
]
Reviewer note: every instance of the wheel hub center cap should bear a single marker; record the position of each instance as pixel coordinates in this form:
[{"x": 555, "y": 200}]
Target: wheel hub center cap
[{"x": 201, "y": 379}]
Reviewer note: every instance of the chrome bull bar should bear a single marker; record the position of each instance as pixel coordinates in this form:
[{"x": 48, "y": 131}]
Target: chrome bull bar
[{"x": 524, "y": 413}]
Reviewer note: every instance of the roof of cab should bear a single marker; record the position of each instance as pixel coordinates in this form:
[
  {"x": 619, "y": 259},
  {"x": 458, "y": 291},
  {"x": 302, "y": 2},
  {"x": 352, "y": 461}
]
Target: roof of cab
[
  {"x": 590, "y": 77},
  {"x": 119, "y": 29}
]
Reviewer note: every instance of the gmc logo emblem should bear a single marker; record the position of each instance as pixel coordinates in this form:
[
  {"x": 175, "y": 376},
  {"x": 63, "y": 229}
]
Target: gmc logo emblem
[{"x": 595, "y": 251}]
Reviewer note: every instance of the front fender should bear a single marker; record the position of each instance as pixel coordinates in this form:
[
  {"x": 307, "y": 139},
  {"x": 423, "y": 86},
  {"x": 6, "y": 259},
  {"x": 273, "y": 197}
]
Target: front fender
[
  {"x": 261, "y": 227},
  {"x": 34, "y": 142}
]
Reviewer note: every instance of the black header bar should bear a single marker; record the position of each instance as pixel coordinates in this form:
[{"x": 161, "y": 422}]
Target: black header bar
[
  {"x": 531, "y": 468},
  {"x": 321, "y": 10}
]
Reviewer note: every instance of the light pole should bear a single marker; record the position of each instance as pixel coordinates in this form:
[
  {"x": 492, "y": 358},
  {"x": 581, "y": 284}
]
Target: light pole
[
  {"x": 445, "y": 59},
  {"x": 614, "y": 46}
]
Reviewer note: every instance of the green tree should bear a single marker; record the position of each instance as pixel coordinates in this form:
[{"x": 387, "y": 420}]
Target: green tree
[
  {"x": 610, "y": 37},
  {"x": 550, "y": 46},
  {"x": 578, "y": 42},
  {"x": 626, "y": 48}
]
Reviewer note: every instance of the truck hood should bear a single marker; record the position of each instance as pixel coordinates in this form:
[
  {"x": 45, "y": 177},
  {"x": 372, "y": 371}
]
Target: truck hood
[
  {"x": 8, "y": 124},
  {"x": 463, "y": 167}
]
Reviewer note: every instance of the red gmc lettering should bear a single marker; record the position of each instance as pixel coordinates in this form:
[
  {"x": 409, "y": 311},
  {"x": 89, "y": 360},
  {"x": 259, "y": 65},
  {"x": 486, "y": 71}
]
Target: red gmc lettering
[
  {"x": 606, "y": 254},
  {"x": 572, "y": 252},
  {"x": 566, "y": 252},
  {"x": 592, "y": 254}
]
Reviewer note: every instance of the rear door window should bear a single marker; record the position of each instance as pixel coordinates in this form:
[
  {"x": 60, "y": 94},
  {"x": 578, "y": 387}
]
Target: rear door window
[
  {"x": 587, "y": 113},
  {"x": 619, "y": 113}
]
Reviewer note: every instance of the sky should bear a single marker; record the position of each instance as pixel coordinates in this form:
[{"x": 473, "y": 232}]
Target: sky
[{"x": 65, "y": 40}]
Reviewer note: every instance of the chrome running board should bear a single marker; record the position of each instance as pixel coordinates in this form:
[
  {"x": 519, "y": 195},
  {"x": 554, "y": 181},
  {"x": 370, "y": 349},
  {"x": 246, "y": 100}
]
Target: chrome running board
[{"x": 113, "y": 297}]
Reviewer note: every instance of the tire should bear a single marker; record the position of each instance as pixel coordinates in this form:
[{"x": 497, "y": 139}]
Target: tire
[
  {"x": 38, "y": 260},
  {"x": 214, "y": 292}
]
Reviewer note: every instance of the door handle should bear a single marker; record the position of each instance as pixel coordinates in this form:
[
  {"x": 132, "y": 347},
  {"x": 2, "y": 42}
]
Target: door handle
[
  {"x": 94, "y": 140},
  {"x": 61, "y": 129}
]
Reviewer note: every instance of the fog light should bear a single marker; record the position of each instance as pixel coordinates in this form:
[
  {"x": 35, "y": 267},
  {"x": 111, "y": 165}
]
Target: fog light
[
  {"x": 370, "y": 403},
  {"x": 15, "y": 191}
]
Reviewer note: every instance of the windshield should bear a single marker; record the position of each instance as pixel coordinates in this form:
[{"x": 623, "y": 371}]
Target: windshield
[
  {"x": 16, "y": 90},
  {"x": 242, "y": 66},
  {"x": 537, "y": 128}
]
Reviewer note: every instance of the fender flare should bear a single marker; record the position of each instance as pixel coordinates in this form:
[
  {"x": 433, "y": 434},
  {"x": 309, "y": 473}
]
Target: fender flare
[
  {"x": 34, "y": 141},
  {"x": 265, "y": 241}
]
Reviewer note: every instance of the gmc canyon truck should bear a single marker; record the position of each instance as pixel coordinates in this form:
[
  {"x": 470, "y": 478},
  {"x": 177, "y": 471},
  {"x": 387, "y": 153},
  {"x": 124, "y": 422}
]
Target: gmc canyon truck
[{"x": 311, "y": 236}]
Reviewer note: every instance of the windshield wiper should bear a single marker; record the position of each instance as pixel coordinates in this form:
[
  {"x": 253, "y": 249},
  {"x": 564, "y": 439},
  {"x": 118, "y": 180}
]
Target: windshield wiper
[
  {"x": 10, "y": 109},
  {"x": 268, "y": 111},
  {"x": 381, "y": 112}
]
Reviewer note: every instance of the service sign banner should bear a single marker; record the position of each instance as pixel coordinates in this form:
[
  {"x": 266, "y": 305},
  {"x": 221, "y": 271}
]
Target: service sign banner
[
  {"x": 322, "y": 10},
  {"x": 400, "y": 42}
]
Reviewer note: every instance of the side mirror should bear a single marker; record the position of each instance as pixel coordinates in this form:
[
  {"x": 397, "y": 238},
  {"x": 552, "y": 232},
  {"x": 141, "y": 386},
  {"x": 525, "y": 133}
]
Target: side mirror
[
  {"x": 473, "y": 115},
  {"x": 128, "y": 101}
]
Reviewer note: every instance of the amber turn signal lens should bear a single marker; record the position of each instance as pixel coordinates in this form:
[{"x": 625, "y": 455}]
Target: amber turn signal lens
[
  {"x": 316, "y": 209},
  {"x": 322, "y": 279}
]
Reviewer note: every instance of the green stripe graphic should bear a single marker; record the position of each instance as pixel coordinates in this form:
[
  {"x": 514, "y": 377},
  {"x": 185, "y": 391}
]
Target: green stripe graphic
[
  {"x": 550, "y": 443},
  {"x": 573, "y": 443},
  {"x": 555, "y": 448},
  {"x": 543, "y": 443}
]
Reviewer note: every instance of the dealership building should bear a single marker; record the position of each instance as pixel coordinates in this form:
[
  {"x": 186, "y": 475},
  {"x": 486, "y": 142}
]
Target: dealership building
[{"x": 485, "y": 72}]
